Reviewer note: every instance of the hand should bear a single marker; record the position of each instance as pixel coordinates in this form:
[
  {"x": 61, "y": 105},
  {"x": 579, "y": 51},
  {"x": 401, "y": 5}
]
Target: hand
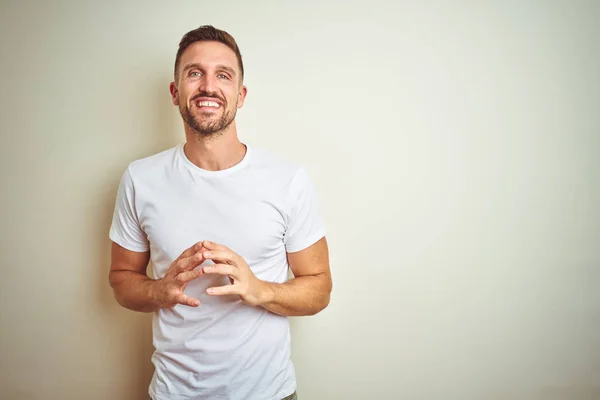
[
  {"x": 243, "y": 281},
  {"x": 168, "y": 291}
]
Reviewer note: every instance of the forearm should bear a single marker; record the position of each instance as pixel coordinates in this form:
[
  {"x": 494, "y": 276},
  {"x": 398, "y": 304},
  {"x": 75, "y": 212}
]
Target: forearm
[
  {"x": 134, "y": 291},
  {"x": 304, "y": 295}
]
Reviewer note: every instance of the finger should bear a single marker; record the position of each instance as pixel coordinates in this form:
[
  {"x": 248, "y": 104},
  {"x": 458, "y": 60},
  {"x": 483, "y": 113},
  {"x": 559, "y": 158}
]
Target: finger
[
  {"x": 220, "y": 256},
  {"x": 187, "y": 276},
  {"x": 186, "y": 264},
  {"x": 223, "y": 290},
  {"x": 221, "y": 269},
  {"x": 187, "y": 300},
  {"x": 196, "y": 247},
  {"x": 213, "y": 246}
]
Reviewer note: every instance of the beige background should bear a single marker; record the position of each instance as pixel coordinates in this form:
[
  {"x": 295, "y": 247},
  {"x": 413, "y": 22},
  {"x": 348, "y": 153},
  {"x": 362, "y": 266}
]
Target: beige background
[{"x": 456, "y": 151}]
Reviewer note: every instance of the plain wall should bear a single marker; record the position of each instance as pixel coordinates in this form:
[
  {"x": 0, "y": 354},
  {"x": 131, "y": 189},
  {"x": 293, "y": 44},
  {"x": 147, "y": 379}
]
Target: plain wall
[{"x": 455, "y": 148}]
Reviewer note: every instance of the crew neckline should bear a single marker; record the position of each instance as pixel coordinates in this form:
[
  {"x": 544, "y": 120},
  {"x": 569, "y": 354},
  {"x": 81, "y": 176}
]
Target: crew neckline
[{"x": 219, "y": 173}]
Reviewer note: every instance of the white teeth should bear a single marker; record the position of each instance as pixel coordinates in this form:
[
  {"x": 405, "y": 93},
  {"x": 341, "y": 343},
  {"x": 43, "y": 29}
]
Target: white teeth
[{"x": 208, "y": 104}]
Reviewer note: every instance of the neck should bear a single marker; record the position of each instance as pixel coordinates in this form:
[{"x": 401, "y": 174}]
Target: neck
[{"x": 216, "y": 152}]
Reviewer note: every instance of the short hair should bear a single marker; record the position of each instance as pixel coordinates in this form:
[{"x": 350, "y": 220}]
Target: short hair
[{"x": 208, "y": 33}]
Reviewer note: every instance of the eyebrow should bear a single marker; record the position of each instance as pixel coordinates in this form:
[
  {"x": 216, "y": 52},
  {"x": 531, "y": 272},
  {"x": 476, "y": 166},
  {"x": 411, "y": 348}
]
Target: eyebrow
[
  {"x": 226, "y": 68},
  {"x": 219, "y": 67}
]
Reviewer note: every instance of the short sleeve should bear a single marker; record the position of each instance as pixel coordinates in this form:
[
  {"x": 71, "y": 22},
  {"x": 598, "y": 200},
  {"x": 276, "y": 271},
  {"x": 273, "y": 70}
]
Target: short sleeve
[
  {"x": 125, "y": 229},
  {"x": 305, "y": 224}
]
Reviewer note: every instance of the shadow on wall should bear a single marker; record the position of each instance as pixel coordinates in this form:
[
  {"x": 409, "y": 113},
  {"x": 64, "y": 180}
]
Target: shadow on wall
[{"x": 130, "y": 338}]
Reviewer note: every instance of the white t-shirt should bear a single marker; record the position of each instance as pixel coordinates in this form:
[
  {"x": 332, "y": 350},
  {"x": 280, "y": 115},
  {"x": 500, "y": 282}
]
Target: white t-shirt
[{"x": 260, "y": 208}]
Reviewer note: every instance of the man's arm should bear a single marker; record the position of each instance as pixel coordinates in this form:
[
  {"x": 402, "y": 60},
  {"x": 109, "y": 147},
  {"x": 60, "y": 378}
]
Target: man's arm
[
  {"x": 133, "y": 289},
  {"x": 128, "y": 279},
  {"x": 309, "y": 291},
  {"x": 306, "y": 294}
]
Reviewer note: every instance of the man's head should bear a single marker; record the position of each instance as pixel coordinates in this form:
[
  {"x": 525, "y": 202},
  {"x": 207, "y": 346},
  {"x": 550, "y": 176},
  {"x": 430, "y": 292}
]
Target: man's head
[{"x": 208, "y": 85}]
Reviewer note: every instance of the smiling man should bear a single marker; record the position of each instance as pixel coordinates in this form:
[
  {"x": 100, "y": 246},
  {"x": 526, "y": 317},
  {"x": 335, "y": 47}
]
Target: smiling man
[{"x": 222, "y": 222}]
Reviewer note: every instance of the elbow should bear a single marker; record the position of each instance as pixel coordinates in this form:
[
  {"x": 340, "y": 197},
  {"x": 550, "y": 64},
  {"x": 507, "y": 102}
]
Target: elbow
[
  {"x": 114, "y": 282},
  {"x": 320, "y": 306},
  {"x": 323, "y": 302},
  {"x": 327, "y": 296},
  {"x": 114, "y": 279},
  {"x": 118, "y": 296}
]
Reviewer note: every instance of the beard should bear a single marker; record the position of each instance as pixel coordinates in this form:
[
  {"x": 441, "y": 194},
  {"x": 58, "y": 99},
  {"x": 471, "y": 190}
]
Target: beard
[{"x": 207, "y": 124}]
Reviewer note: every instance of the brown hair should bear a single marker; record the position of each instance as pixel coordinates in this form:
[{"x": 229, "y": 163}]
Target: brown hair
[{"x": 208, "y": 33}]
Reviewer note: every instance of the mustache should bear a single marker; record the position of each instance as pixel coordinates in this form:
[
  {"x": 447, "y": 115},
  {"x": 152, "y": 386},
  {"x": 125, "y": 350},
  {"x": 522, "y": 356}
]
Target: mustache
[{"x": 208, "y": 95}]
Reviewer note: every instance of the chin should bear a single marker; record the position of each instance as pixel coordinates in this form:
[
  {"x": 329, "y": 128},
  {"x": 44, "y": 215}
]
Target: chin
[{"x": 206, "y": 125}]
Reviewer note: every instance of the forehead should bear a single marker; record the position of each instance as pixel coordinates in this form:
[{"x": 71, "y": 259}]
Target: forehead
[{"x": 209, "y": 54}]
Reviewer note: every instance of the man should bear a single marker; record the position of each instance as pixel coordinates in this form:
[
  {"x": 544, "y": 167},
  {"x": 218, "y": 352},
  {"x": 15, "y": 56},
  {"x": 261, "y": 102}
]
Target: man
[{"x": 221, "y": 222}]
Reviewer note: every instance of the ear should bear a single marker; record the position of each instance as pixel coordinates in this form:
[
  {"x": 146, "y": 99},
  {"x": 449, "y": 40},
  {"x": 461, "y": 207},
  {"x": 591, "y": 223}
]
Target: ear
[
  {"x": 242, "y": 96},
  {"x": 174, "y": 93}
]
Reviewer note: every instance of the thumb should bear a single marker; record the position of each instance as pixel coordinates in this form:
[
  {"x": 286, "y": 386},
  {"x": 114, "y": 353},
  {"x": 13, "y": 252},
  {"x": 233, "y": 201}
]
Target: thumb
[{"x": 187, "y": 300}]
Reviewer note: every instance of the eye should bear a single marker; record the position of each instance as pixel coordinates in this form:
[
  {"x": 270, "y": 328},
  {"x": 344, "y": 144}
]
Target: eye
[
  {"x": 195, "y": 73},
  {"x": 223, "y": 76}
]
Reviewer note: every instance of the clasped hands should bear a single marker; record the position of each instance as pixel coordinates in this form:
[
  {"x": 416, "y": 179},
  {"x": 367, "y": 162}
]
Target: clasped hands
[{"x": 169, "y": 290}]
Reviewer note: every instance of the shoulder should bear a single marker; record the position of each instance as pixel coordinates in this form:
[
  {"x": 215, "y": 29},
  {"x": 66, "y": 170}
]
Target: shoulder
[
  {"x": 147, "y": 167},
  {"x": 276, "y": 166},
  {"x": 290, "y": 180}
]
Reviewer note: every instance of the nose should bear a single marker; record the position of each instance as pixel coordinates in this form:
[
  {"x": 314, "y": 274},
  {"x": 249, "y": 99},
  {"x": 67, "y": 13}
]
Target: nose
[{"x": 208, "y": 83}]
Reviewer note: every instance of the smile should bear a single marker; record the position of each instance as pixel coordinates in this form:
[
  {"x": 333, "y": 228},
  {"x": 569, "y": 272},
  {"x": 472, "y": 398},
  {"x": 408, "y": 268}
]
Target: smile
[{"x": 212, "y": 104}]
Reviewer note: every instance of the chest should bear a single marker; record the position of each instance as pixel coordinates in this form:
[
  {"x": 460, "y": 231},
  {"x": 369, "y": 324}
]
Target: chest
[{"x": 249, "y": 222}]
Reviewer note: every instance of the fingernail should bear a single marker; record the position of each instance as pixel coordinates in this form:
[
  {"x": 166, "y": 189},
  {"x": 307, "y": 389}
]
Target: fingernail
[{"x": 207, "y": 254}]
